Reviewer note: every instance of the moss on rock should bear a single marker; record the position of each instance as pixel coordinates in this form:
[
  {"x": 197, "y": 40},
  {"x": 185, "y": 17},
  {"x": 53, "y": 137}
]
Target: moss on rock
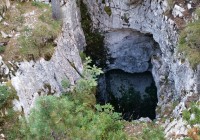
[{"x": 107, "y": 9}]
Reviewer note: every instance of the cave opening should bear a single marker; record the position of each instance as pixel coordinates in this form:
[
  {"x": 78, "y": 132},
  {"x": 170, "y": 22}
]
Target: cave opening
[
  {"x": 132, "y": 94},
  {"x": 128, "y": 83},
  {"x": 128, "y": 59}
]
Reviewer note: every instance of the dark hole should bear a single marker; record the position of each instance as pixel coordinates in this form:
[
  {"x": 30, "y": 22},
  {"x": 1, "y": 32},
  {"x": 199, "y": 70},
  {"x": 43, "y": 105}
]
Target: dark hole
[
  {"x": 133, "y": 95},
  {"x": 47, "y": 56}
]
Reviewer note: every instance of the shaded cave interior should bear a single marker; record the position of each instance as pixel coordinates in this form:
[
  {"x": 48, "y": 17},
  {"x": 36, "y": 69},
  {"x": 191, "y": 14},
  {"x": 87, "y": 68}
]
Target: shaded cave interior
[
  {"x": 127, "y": 83},
  {"x": 133, "y": 95}
]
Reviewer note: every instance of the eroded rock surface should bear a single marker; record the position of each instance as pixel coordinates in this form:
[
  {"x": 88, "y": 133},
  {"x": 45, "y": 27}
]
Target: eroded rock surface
[
  {"x": 174, "y": 78},
  {"x": 130, "y": 51},
  {"x": 44, "y": 77}
]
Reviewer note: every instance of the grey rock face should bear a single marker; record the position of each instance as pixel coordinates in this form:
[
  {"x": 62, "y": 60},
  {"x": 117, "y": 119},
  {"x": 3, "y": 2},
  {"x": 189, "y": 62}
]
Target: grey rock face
[
  {"x": 148, "y": 17},
  {"x": 39, "y": 78},
  {"x": 174, "y": 79},
  {"x": 130, "y": 51}
]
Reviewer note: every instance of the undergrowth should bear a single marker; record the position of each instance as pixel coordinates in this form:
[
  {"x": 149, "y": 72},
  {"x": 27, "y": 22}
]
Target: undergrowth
[
  {"x": 75, "y": 115},
  {"x": 192, "y": 117},
  {"x": 9, "y": 123},
  {"x": 39, "y": 42},
  {"x": 189, "y": 42},
  {"x": 32, "y": 30},
  {"x": 145, "y": 131}
]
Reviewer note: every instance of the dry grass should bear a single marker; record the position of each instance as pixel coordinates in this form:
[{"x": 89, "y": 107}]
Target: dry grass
[
  {"x": 143, "y": 131},
  {"x": 194, "y": 133},
  {"x": 24, "y": 19}
]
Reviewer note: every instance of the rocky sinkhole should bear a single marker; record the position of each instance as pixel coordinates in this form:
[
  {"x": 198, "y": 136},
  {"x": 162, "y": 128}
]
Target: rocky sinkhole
[
  {"x": 133, "y": 95},
  {"x": 128, "y": 83}
]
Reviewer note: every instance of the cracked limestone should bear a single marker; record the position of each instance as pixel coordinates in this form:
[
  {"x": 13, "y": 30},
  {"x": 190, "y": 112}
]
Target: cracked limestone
[
  {"x": 174, "y": 78},
  {"x": 33, "y": 78}
]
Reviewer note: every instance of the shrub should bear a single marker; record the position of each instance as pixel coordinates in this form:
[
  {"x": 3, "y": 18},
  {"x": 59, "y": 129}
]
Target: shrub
[
  {"x": 86, "y": 87},
  {"x": 6, "y": 96},
  {"x": 2, "y": 49},
  {"x": 72, "y": 117},
  {"x": 60, "y": 118},
  {"x": 194, "y": 110},
  {"x": 9, "y": 123}
]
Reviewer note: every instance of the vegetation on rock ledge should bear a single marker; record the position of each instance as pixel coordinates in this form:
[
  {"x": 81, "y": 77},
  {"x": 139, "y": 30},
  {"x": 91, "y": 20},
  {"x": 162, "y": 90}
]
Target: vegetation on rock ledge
[
  {"x": 192, "y": 117},
  {"x": 75, "y": 115},
  {"x": 29, "y": 31},
  {"x": 39, "y": 41},
  {"x": 189, "y": 42}
]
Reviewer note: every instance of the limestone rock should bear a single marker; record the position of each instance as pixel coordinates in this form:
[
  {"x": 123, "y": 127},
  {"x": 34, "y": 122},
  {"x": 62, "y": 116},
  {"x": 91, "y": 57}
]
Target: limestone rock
[
  {"x": 144, "y": 119},
  {"x": 4, "y": 35},
  {"x": 174, "y": 78},
  {"x": 178, "y": 11},
  {"x": 41, "y": 77},
  {"x": 128, "y": 50}
]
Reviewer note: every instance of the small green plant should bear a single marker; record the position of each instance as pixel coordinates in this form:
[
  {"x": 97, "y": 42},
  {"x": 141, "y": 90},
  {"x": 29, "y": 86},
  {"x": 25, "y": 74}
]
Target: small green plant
[
  {"x": 5, "y": 96},
  {"x": 85, "y": 90},
  {"x": 82, "y": 55},
  {"x": 2, "y": 49},
  {"x": 192, "y": 117},
  {"x": 195, "y": 110},
  {"x": 8, "y": 117},
  {"x": 39, "y": 4},
  {"x": 65, "y": 83},
  {"x": 107, "y": 9}
]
